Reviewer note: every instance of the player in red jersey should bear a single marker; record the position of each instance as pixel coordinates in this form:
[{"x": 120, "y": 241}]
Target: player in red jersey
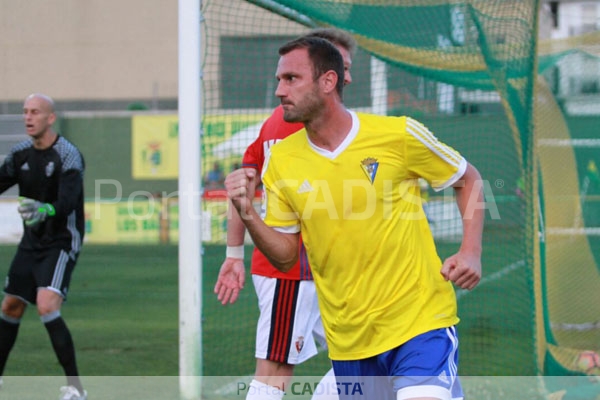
[{"x": 289, "y": 324}]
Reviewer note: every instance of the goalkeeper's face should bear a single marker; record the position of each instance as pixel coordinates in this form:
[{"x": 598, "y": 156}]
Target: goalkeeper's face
[{"x": 38, "y": 116}]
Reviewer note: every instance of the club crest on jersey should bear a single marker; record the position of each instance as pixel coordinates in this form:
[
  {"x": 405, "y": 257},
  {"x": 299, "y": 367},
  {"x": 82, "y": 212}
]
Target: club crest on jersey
[
  {"x": 299, "y": 343},
  {"x": 370, "y": 165},
  {"x": 50, "y": 169}
]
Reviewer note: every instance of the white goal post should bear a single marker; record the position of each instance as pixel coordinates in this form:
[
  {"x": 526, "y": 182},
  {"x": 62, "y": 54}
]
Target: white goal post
[{"x": 190, "y": 240}]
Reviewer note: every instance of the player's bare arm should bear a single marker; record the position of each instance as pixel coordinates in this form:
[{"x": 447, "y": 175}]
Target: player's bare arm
[
  {"x": 231, "y": 279},
  {"x": 281, "y": 249},
  {"x": 232, "y": 275},
  {"x": 464, "y": 267}
]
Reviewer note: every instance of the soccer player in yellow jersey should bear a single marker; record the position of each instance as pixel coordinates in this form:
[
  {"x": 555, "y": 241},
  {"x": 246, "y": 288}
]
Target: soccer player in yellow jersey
[{"x": 349, "y": 182}]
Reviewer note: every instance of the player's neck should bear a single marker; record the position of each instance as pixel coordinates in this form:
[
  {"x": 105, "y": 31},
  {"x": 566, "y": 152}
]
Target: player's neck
[
  {"x": 45, "y": 140},
  {"x": 330, "y": 130}
]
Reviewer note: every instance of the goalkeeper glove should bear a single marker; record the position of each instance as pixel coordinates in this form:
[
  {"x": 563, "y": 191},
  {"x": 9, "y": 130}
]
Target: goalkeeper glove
[{"x": 33, "y": 212}]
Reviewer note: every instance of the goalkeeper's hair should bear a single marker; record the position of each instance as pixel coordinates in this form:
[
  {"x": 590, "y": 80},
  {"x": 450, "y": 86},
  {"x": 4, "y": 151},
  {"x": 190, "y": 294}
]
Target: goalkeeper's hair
[{"x": 49, "y": 101}]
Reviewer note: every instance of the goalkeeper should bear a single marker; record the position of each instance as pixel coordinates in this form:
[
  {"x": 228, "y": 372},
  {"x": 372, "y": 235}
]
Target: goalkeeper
[{"x": 48, "y": 170}]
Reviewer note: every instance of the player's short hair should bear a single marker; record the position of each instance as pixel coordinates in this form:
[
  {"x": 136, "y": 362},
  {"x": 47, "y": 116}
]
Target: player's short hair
[
  {"x": 336, "y": 36},
  {"x": 47, "y": 99}
]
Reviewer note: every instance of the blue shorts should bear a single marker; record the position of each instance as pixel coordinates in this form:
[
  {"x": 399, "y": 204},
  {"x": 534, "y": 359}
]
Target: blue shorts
[{"x": 425, "y": 366}]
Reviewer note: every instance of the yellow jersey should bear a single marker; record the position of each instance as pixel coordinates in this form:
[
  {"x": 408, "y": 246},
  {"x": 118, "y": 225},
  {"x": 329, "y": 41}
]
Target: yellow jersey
[{"x": 374, "y": 260}]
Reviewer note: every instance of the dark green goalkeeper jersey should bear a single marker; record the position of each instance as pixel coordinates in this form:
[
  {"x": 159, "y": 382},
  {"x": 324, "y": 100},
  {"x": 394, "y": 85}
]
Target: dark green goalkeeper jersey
[{"x": 53, "y": 175}]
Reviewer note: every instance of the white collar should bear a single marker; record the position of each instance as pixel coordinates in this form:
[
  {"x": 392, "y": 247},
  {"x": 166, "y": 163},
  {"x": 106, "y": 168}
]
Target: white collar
[{"x": 345, "y": 143}]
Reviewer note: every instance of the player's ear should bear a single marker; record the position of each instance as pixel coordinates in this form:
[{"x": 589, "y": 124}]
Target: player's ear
[
  {"x": 329, "y": 81},
  {"x": 52, "y": 118}
]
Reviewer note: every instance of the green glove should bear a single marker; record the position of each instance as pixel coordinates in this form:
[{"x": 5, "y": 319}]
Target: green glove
[{"x": 33, "y": 212}]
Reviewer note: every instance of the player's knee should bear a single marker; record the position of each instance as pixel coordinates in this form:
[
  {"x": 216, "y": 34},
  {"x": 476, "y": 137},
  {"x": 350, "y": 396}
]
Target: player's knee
[
  {"x": 269, "y": 368},
  {"x": 48, "y": 302},
  {"x": 13, "y": 307},
  {"x": 47, "y": 306},
  {"x": 46, "y": 309}
]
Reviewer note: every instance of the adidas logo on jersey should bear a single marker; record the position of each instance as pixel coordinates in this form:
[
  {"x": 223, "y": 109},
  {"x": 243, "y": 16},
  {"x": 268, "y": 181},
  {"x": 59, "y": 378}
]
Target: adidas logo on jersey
[
  {"x": 305, "y": 187},
  {"x": 443, "y": 377},
  {"x": 25, "y": 167}
]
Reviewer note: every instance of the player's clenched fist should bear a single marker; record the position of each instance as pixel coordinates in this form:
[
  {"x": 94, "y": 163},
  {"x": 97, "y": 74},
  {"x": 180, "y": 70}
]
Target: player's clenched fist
[
  {"x": 463, "y": 268},
  {"x": 239, "y": 185}
]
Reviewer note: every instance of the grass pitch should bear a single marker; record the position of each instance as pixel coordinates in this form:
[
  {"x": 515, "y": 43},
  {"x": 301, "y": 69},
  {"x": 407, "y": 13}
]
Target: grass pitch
[{"x": 122, "y": 310}]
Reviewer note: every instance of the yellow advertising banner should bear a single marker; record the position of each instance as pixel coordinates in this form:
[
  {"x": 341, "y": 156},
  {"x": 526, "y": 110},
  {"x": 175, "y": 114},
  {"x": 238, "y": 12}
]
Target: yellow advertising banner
[
  {"x": 124, "y": 222},
  {"x": 148, "y": 222},
  {"x": 155, "y": 146}
]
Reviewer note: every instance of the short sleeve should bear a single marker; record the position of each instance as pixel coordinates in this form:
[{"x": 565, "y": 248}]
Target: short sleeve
[{"x": 431, "y": 159}]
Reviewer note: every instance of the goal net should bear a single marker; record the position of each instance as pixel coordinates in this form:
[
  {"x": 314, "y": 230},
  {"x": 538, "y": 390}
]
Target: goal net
[{"x": 477, "y": 75}]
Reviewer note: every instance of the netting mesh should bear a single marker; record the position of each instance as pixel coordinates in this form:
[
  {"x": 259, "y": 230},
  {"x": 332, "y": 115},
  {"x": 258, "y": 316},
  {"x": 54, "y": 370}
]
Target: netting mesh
[
  {"x": 468, "y": 71},
  {"x": 569, "y": 318}
]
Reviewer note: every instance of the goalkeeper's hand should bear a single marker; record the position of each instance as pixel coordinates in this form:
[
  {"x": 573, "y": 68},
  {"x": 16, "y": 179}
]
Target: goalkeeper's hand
[{"x": 33, "y": 212}]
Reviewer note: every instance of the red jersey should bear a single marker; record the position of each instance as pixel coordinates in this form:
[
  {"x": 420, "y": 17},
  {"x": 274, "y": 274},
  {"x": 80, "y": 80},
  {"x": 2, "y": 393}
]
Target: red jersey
[{"x": 273, "y": 130}]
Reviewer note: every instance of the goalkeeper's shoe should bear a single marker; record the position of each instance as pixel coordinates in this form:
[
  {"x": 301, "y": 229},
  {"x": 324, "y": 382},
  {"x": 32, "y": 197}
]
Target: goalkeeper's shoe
[
  {"x": 71, "y": 393},
  {"x": 33, "y": 212}
]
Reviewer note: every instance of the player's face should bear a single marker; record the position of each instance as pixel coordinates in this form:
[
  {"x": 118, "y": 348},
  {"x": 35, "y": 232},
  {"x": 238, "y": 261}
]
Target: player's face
[
  {"x": 298, "y": 91},
  {"x": 38, "y": 116}
]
